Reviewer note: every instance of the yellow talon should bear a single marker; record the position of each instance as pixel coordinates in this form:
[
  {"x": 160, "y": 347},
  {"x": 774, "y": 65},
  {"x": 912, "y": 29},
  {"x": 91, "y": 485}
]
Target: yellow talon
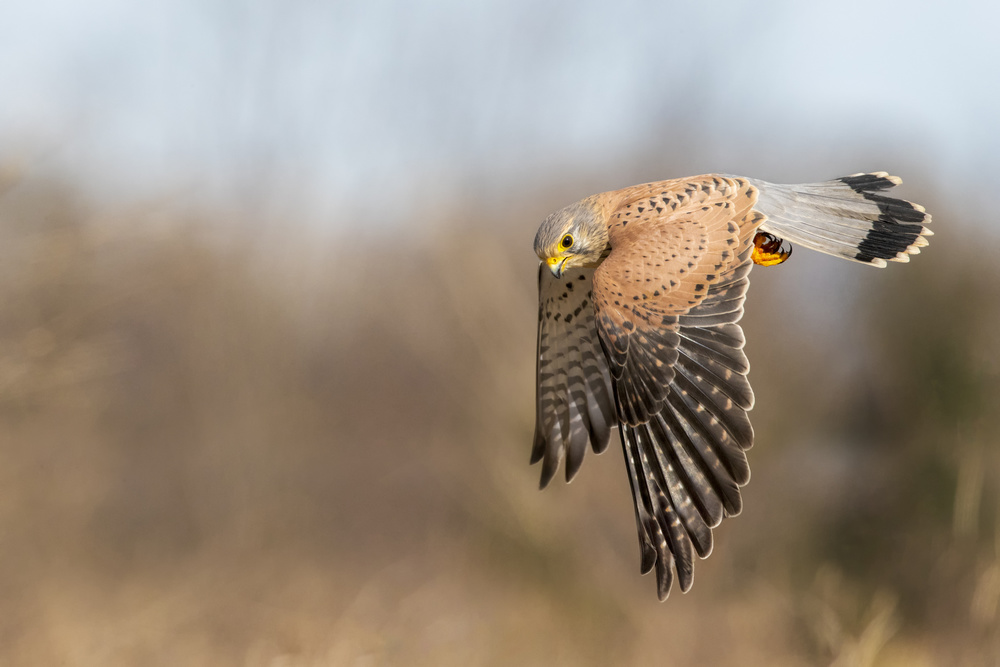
[{"x": 768, "y": 251}]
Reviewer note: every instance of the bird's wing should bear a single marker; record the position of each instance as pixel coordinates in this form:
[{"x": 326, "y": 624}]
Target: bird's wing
[
  {"x": 668, "y": 299},
  {"x": 574, "y": 396}
]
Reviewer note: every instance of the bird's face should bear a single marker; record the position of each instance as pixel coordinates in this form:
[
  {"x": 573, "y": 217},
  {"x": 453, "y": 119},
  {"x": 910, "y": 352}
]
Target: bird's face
[{"x": 574, "y": 236}]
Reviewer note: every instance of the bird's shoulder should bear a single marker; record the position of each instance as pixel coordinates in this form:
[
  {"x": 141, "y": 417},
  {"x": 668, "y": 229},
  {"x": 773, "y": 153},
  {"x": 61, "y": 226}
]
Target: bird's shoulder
[
  {"x": 672, "y": 240},
  {"x": 666, "y": 199}
]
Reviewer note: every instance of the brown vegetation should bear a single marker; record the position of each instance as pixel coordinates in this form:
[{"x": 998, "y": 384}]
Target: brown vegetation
[{"x": 224, "y": 447}]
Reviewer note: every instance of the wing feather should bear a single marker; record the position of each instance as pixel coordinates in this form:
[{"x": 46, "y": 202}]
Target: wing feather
[
  {"x": 678, "y": 368},
  {"x": 574, "y": 405}
]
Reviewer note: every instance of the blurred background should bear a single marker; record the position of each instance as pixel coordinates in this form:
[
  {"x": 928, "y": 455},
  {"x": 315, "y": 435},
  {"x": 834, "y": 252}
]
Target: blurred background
[{"x": 267, "y": 333}]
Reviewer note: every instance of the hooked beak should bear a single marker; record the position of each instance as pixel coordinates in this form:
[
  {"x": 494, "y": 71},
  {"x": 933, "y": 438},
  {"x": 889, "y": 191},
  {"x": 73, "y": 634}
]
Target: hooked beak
[{"x": 556, "y": 265}]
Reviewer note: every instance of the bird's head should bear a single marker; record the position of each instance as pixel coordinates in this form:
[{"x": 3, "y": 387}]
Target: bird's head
[{"x": 574, "y": 236}]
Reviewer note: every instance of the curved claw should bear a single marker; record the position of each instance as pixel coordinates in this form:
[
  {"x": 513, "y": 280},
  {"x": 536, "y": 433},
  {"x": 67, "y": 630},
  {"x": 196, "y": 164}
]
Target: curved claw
[{"x": 769, "y": 250}]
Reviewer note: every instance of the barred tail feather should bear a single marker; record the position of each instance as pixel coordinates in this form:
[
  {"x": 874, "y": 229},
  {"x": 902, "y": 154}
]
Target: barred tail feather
[{"x": 846, "y": 217}]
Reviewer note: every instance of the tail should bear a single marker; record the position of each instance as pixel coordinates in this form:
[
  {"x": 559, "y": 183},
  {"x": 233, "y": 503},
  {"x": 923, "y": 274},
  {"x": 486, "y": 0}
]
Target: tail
[{"x": 846, "y": 218}]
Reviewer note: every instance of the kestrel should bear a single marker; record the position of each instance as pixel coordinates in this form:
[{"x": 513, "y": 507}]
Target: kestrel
[{"x": 640, "y": 295}]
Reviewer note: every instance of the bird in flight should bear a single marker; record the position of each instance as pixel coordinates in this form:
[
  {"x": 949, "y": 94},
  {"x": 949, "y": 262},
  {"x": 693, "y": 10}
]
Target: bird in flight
[{"x": 640, "y": 293}]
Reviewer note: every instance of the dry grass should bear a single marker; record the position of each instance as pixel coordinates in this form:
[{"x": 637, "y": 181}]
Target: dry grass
[{"x": 303, "y": 451}]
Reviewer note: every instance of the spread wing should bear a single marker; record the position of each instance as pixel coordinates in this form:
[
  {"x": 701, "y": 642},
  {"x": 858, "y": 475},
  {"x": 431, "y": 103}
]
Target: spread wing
[
  {"x": 668, "y": 299},
  {"x": 574, "y": 396}
]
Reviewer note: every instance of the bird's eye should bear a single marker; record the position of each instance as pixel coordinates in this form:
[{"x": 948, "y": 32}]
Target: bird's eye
[{"x": 567, "y": 241}]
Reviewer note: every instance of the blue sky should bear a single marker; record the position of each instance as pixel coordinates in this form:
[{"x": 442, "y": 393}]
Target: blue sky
[{"x": 327, "y": 103}]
